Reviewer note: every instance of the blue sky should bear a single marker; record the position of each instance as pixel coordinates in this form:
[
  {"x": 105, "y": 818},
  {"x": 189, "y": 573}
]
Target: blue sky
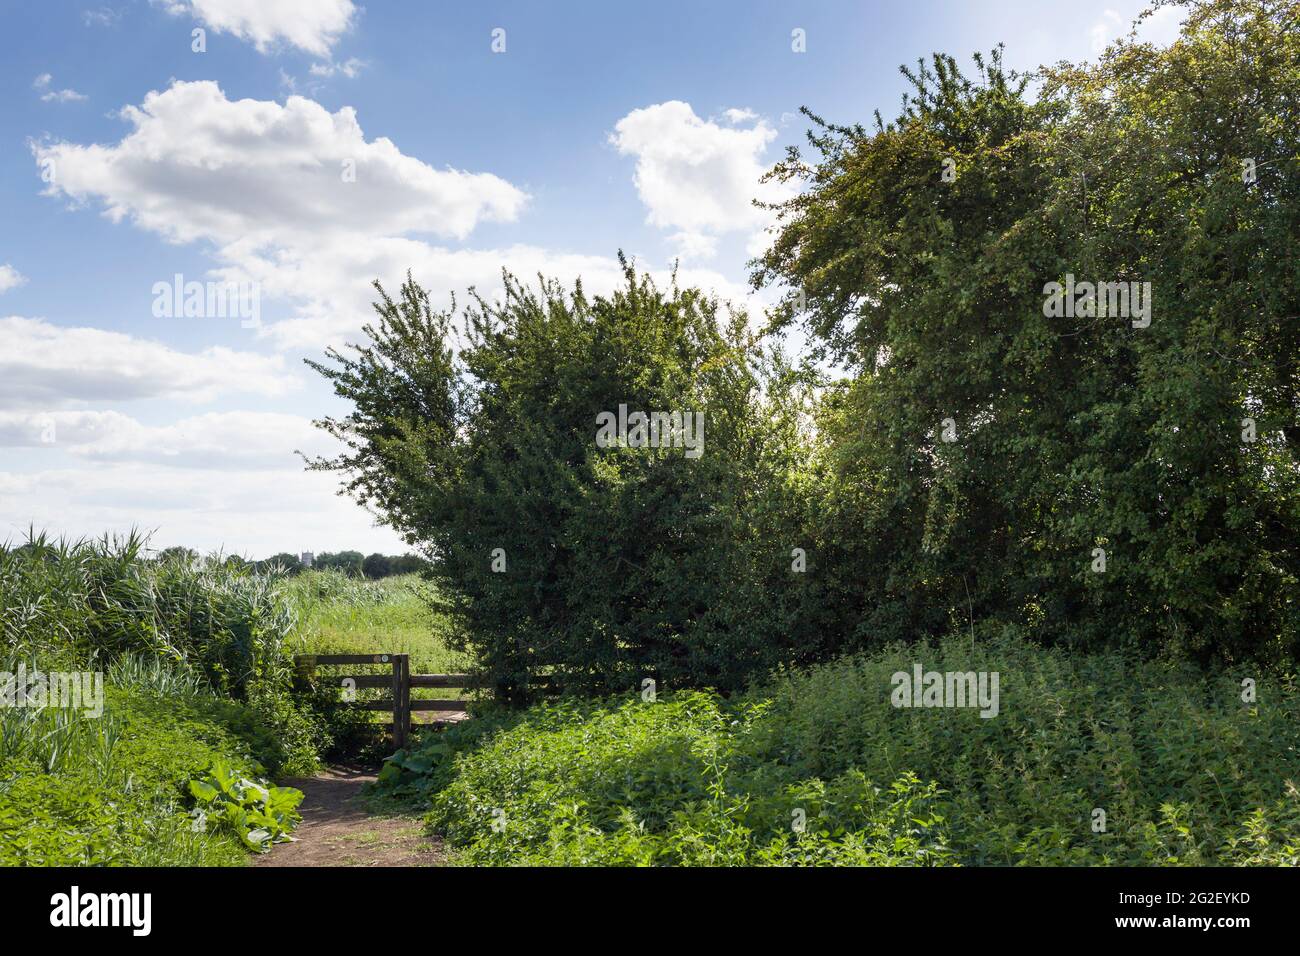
[{"x": 126, "y": 158}]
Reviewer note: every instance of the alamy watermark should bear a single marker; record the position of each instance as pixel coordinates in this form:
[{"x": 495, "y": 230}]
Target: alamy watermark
[
  {"x": 652, "y": 430},
  {"x": 208, "y": 300},
  {"x": 1124, "y": 300},
  {"x": 74, "y": 690},
  {"x": 75, "y": 908},
  {"x": 923, "y": 688}
]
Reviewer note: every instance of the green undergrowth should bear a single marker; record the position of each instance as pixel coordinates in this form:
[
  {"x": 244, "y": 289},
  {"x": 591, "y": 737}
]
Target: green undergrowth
[
  {"x": 115, "y": 790},
  {"x": 817, "y": 767},
  {"x": 196, "y": 658}
]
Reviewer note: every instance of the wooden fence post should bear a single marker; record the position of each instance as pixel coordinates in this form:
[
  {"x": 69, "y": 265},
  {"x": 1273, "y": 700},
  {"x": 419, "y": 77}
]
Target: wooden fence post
[
  {"x": 401, "y": 699},
  {"x": 304, "y": 671}
]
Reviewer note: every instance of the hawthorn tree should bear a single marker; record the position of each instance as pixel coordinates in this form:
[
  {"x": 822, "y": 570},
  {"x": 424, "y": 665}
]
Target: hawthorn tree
[
  {"x": 601, "y": 566},
  {"x": 1097, "y": 478}
]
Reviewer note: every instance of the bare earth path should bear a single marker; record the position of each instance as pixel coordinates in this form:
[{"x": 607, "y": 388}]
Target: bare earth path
[{"x": 336, "y": 830}]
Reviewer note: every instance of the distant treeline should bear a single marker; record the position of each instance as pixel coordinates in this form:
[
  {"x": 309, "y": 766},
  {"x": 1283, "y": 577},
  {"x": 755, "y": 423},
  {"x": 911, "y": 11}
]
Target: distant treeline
[{"x": 353, "y": 563}]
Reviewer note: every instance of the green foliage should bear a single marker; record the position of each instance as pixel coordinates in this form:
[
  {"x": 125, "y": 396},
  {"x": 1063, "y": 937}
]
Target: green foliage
[
  {"x": 56, "y": 739},
  {"x": 197, "y": 671},
  {"x": 283, "y": 563},
  {"x": 620, "y": 783},
  {"x": 620, "y": 563},
  {"x": 1186, "y": 772},
  {"x": 110, "y": 791},
  {"x": 174, "y": 624},
  {"x": 349, "y": 562},
  {"x": 346, "y": 562},
  {"x": 256, "y": 812},
  {"x": 1071, "y": 433},
  {"x": 178, "y": 553},
  {"x": 98, "y": 600},
  {"x": 155, "y": 675}
]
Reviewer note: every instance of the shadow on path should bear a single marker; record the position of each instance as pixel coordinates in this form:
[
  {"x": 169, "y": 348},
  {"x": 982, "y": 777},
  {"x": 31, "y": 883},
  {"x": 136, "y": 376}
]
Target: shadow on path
[{"x": 337, "y": 830}]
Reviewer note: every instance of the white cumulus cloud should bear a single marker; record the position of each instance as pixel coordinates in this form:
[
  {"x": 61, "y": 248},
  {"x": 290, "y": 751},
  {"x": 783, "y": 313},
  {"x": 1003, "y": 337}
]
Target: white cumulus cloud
[
  {"x": 218, "y": 441},
  {"x": 200, "y": 166},
  {"x": 46, "y": 366},
  {"x": 698, "y": 177},
  {"x": 261, "y": 183},
  {"x": 255, "y": 512},
  {"x": 311, "y": 25}
]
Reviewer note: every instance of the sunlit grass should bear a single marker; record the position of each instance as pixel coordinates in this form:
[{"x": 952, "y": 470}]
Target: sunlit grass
[{"x": 342, "y": 615}]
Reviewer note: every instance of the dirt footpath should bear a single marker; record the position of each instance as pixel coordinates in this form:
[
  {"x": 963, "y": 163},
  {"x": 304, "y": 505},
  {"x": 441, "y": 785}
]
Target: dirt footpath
[{"x": 336, "y": 829}]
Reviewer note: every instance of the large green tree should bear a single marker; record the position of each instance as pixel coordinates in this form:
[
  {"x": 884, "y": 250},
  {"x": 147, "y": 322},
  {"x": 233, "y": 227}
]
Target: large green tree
[
  {"x": 989, "y": 456},
  {"x": 601, "y": 566}
]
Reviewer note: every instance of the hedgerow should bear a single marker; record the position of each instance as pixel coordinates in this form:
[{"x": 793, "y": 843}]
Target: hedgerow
[
  {"x": 1186, "y": 771},
  {"x": 953, "y": 449}
]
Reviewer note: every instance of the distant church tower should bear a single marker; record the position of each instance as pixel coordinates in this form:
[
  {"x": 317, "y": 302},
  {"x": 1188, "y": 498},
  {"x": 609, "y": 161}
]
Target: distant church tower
[{"x": 306, "y": 558}]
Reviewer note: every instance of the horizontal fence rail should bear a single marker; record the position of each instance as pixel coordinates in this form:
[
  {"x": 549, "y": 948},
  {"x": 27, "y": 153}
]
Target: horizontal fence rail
[{"x": 399, "y": 681}]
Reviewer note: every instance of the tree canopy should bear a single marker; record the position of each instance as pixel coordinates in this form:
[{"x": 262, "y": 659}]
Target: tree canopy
[
  {"x": 1160, "y": 448},
  {"x": 1052, "y": 387}
]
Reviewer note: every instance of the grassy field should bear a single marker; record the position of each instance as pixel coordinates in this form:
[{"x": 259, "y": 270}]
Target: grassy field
[{"x": 342, "y": 615}]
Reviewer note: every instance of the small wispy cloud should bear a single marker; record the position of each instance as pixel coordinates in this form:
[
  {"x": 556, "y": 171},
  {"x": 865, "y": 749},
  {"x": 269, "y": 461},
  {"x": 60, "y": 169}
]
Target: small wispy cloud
[
  {"x": 51, "y": 95},
  {"x": 314, "y": 81},
  {"x": 10, "y": 278},
  {"x": 350, "y": 68},
  {"x": 101, "y": 17}
]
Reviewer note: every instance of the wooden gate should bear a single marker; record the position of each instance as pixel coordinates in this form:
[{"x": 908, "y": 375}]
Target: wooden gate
[{"x": 399, "y": 682}]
